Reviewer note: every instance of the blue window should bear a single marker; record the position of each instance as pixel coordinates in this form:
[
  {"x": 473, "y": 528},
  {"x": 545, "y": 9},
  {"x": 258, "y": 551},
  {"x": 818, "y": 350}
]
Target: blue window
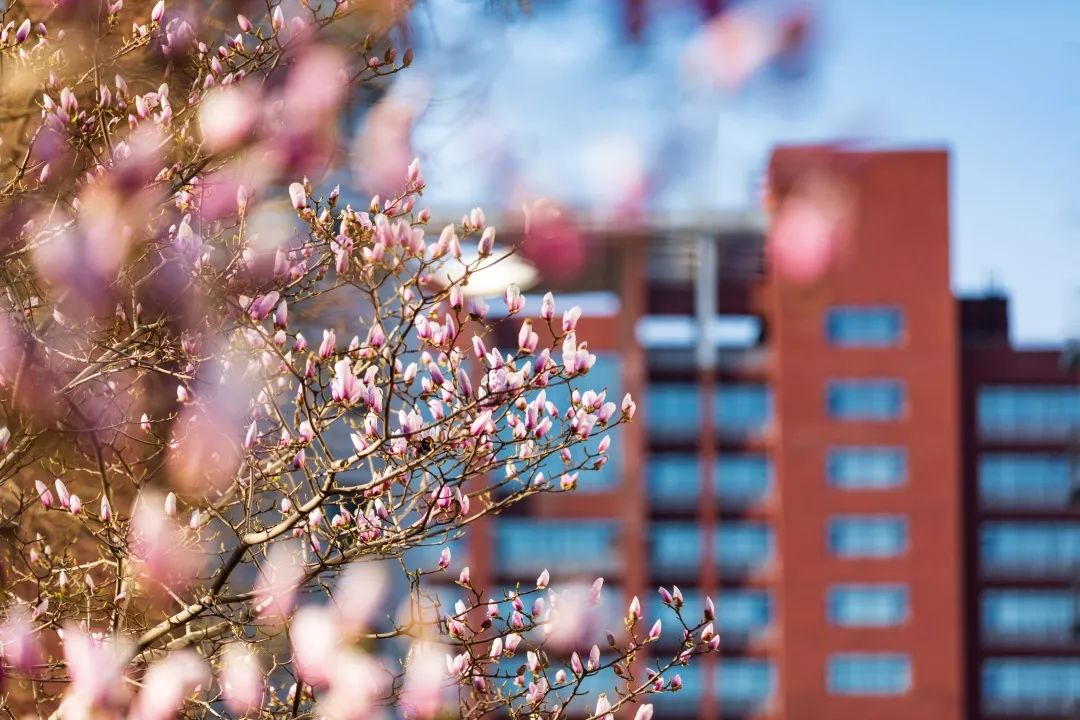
[
  {"x": 604, "y": 375},
  {"x": 674, "y": 480},
  {"x": 427, "y": 556},
  {"x": 739, "y": 480},
  {"x": 868, "y": 605},
  {"x": 870, "y": 326},
  {"x": 1046, "y": 686},
  {"x": 866, "y": 468},
  {"x": 743, "y": 480},
  {"x": 527, "y": 546},
  {"x": 1029, "y": 615},
  {"x": 1024, "y": 480},
  {"x": 741, "y": 613},
  {"x": 675, "y": 546},
  {"x": 869, "y": 674},
  {"x": 693, "y": 688},
  {"x": 868, "y": 536},
  {"x": 1030, "y": 548},
  {"x": 743, "y": 409},
  {"x": 1017, "y": 412},
  {"x": 872, "y": 400},
  {"x": 741, "y": 685},
  {"x": 738, "y": 547},
  {"x": 673, "y": 409},
  {"x": 743, "y": 546},
  {"x": 745, "y": 684}
]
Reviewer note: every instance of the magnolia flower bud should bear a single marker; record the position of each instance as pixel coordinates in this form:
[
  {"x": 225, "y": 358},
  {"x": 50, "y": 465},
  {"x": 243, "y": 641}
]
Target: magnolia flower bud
[
  {"x": 244, "y": 23},
  {"x": 44, "y": 494},
  {"x": 170, "y": 505},
  {"x": 543, "y": 580},
  {"x": 75, "y": 505},
  {"x": 645, "y": 712},
  {"x": 575, "y": 665},
  {"x": 594, "y": 591},
  {"x": 464, "y": 576},
  {"x": 444, "y": 558},
  {"x": 514, "y": 301},
  {"x": 547, "y": 306},
  {"x": 23, "y": 32},
  {"x": 594, "y": 658},
  {"x": 296, "y": 191},
  {"x": 486, "y": 243},
  {"x": 665, "y": 596},
  {"x": 570, "y": 319},
  {"x": 277, "y": 19},
  {"x": 144, "y": 423},
  {"x": 654, "y": 631},
  {"x": 106, "y": 510},
  {"x": 62, "y": 493},
  {"x": 158, "y": 12}
]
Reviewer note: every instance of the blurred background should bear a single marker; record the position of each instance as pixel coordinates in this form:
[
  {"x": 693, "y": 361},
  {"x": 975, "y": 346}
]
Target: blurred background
[{"x": 832, "y": 248}]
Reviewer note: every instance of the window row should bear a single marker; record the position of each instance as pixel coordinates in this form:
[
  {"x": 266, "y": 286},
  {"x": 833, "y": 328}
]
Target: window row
[
  {"x": 1035, "y": 480},
  {"x": 749, "y": 683},
  {"x": 1029, "y": 616},
  {"x": 737, "y": 547},
  {"x": 746, "y": 613},
  {"x": 868, "y": 326},
  {"x": 741, "y": 614},
  {"x": 1029, "y": 548},
  {"x": 1028, "y": 412},
  {"x": 739, "y": 480},
  {"x": 749, "y": 546},
  {"x": 869, "y": 674},
  {"x": 746, "y": 410},
  {"x": 740, "y": 684},
  {"x": 1031, "y": 685},
  {"x": 738, "y": 410}
]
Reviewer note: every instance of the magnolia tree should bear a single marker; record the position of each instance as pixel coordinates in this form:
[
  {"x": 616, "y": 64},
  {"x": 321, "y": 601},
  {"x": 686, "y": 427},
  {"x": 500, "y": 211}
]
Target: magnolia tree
[{"x": 205, "y": 510}]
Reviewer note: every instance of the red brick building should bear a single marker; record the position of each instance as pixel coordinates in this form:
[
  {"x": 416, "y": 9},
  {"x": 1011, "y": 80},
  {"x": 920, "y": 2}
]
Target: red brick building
[{"x": 871, "y": 484}]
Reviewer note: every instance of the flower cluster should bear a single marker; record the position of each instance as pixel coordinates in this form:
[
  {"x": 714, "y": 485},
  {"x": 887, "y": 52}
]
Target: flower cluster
[{"x": 205, "y": 506}]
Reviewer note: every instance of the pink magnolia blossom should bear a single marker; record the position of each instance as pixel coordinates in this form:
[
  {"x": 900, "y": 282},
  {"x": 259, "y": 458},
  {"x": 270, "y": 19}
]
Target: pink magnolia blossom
[
  {"x": 424, "y": 678},
  {"x": 242, "y": 679},
  {"x": 278, "y": 582},
  {"x": 96, "y": 669},
  {"x": 44, "y": 494},
  {"x": 159, "y": 545},
  {"x": 19, "y": 644},
  {"x": 168, "y": 682}
]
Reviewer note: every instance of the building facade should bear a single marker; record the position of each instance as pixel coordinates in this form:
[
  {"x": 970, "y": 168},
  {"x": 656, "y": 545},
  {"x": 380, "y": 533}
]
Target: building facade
[{"x": 870, "y": 483}]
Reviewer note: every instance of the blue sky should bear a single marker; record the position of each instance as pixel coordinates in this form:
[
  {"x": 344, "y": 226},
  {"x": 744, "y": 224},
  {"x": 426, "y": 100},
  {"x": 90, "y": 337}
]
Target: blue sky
[{"x": 996, "y": 82}]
